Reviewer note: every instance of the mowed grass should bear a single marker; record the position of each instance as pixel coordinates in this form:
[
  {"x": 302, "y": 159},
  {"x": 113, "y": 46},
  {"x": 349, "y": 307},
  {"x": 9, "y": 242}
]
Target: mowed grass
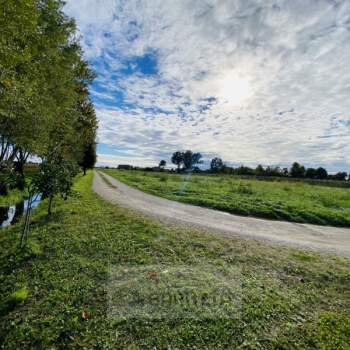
[
  {"x": 282, "y": 200},
  {"x": 54, "y": 293}
]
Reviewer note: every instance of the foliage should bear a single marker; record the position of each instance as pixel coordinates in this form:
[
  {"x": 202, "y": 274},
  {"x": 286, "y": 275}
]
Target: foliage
[
  {"x": 296, "y": 201},
  {"x": 290, "y": 299},
  {"x": 162, "y": 164},
  {"x": 187, "y": 159},
  {"x": 89, "y": 157},
  {"x": 177, "y": 159},
  {"x": 339, "y": 176},
  {"x": 44, "y": 97},
  {"x": 45, "y": 108},
  {"x": 55, "y": 176},
  {"x": 216, "y": 164},
  {"x": 297, "y": 170}
]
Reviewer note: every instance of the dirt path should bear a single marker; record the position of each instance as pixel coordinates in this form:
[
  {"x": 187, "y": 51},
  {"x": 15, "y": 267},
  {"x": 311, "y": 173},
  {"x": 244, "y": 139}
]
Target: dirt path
[{"x": 313, "y": 237}]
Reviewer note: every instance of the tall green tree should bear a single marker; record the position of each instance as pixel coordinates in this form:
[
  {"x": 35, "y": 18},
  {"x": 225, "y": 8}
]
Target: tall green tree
[
  {"x": 45, "y": 108},
  {"x": 162, "y": 164},
  {"x": 297, "y": 170},
  {"x": 190, "y": 159},
  {"x": 216, "y": 164},
  {"x": 177, "y": 159}
]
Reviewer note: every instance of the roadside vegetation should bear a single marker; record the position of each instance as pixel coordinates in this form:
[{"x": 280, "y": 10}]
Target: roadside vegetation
[
  {"x": 279, "y": 199},
  {"x": 53, "y": 292},
  {"x": 45, "y": 108}
]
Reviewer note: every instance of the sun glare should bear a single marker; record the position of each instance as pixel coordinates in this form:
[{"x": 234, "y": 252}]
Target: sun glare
[{"x": 234, "y": 89}]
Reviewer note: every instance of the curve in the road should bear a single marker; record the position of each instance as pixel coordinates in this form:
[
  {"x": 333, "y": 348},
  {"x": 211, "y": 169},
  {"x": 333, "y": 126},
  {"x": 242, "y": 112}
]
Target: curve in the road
[{"x": 306, "y": 236}]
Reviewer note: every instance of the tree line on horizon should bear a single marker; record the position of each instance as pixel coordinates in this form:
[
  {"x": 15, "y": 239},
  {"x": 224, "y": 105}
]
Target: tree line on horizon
[
  {"x": 295, "y": 171},
  {"x": 189, "y": 160},
  {"x": 45, "y": 106}
]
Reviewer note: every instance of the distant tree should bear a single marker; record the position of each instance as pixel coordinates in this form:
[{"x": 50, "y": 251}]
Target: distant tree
[
  {"x": 321, "y": 173},
  {"x": 340, "y": 176},
  {"x": 216, "y": 164},
  {"x": 162, "y": 164},
  {"x": 191, "y": 159},
  {"x": 178, "y": 159},
  {"x": 297, "y": 170},
  {"x": 311, "y": 173},
  {"x": 259, "y": 170},
  {"x": 86, "y": 128},
  {"x": 244, "y": 170},
  {"x": 89, "y": 157}
]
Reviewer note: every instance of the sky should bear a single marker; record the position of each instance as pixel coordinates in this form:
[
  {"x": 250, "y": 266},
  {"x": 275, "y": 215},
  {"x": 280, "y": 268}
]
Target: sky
[{"x": 250, "y": 81}]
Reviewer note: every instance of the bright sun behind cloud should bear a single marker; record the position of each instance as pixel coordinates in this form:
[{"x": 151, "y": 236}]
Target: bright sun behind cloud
[
  {"x": 267, "y": 79},
  {"x": 234, "y": 89}
]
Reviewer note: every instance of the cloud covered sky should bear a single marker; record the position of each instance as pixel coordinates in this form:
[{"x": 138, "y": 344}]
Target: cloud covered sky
[{"x": 251, "y": 81}]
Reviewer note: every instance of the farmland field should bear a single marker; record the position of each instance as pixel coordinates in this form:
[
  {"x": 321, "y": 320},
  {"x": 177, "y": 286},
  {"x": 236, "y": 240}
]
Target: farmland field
[
  {"x": 54, "y": 293},
  {"x": 295, "y": 201}
]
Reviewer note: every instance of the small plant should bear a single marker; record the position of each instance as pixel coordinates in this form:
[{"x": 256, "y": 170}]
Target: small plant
[
  {"x": 243, "y": 188},
  {"x": 163, "y": 178},
  {"x": 286, "y": 188},
  {"x": 19, "y": 296}
]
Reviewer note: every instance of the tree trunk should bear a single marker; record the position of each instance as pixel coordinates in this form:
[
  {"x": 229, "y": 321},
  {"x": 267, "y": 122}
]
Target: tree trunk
[
  {"x": 49, "y": 207},
  {"x": 25, "y": 230},
  {"x": 84, "y": 171},
  {"x": 22, "y": 157}
]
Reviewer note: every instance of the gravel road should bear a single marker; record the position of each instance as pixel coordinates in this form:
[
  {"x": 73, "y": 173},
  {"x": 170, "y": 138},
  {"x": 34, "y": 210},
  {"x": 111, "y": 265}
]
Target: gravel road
[{"x": 305, "y": 236}]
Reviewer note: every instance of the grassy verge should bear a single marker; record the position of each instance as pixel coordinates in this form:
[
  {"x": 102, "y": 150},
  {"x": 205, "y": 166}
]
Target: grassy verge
[
  {"x": 281, "y": 200},
  {"x": 53, "y": 294}
]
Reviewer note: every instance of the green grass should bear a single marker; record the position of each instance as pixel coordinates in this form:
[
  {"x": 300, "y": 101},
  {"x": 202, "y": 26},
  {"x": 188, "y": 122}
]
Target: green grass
[
  {"x": 14, "y": 196},
  {"x": 53, "y": 293},
  {"x": 282, "y": 200}
]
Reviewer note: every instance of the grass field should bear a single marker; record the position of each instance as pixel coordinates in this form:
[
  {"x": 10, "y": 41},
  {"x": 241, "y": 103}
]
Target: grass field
[
  {"x": 53, "y": 294},
  {"x": 282, "y": 200}
]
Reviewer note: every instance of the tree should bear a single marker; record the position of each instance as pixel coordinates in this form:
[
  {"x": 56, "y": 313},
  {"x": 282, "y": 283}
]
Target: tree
[
  {"x": 216, "y": 164},
  {"x": 43, "y": 84},
  {"x": 20, "y": 77},
  {"x": 45, "y": 108},
  {"x": 297, "y": 170},
  {"x": 259, "y": 170},
  {"x": 310, "y": 173},
  {"x": 89, "y": 157},
  {"x": 177, "y": 159},
  {"x": 86, "y": 128},
  {"x": 162, "y": 164},
  {"x": 190, "y": 159},
  {"x": 55, "y": 176},
  {"x": 340, "y": 176},
  {"x": 321, "y": 173}
]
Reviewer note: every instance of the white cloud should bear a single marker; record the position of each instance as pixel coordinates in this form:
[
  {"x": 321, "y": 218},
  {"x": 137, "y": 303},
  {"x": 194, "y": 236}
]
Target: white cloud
[{"x": 279, "y": 71}]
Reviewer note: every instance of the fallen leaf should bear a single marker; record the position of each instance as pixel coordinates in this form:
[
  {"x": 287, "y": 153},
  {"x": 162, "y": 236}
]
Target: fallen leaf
[{"x": 85, "y": 315}]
